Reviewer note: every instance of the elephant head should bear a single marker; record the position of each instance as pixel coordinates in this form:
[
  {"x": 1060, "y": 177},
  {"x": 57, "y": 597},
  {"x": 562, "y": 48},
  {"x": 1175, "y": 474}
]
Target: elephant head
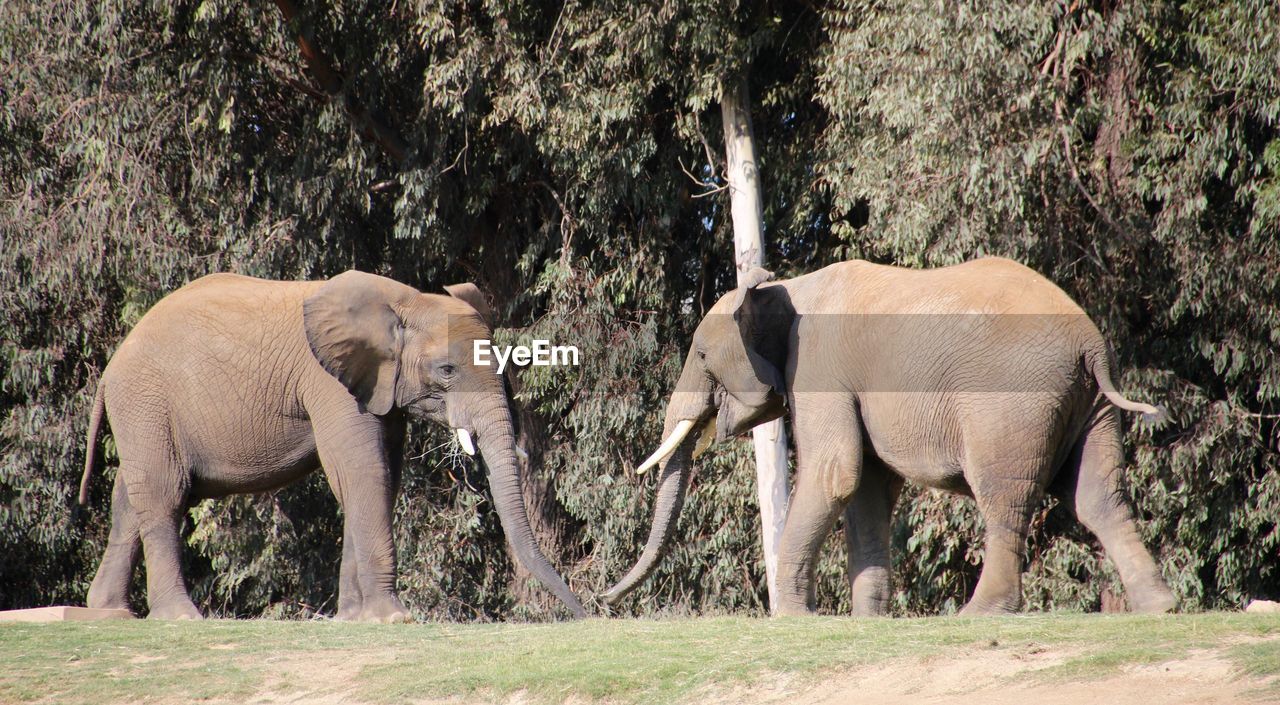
[
  {"x": 394, "y": 347},
  {"x": 732, "y": 381}
]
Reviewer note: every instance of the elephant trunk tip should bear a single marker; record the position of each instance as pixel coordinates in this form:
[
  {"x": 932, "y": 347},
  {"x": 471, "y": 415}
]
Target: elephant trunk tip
[
  {"x": 498, "y": 452},
  {"x": 611, "y": 597},
  {"x": 1156, "y": 416}
]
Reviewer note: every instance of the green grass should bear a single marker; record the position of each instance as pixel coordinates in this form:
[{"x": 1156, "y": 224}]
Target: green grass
[
  {"x": 1258, "y": 659},
  {"x": 624, "y": 661}
]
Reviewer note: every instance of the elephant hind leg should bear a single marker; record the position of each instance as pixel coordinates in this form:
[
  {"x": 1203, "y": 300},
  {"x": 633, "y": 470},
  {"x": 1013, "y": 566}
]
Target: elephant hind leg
[
  {"x": 167, "y": 595},
  {"x": 1007, "y": 495},
  {"x": 157, "y": 486},
  {"x": 867, "y": 536},
  {"x": 1090, "y": 487},
  {"x": 110, "y": 587}
]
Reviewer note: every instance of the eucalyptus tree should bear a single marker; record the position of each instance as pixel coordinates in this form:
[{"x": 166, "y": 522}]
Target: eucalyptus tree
[{"x": 563, "y": 155}]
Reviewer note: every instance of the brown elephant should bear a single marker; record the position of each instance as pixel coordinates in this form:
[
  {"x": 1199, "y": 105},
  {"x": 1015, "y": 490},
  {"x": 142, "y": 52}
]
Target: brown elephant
[
  {"x": 233, "y": 384},
  {"x": 982, "y": 378}
]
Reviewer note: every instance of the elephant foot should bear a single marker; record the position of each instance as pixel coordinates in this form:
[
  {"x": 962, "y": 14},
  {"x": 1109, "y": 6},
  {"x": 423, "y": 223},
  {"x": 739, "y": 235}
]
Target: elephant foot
[
  {"x": 349, "y": 612},
  {"x": 1154, "y": 601},
  {"x": 108, "y": 592},
  {"x": 350, "y": 605},
  {"x": 984, "y": 608},
  {"x": 386, "y": 610},
  {"x": 875, "y": 608},
  {"x": 870, "y": 603},
  {"x": 175, "y": 609},
  {"x": 792, "y": 609},
  {"x": 99, "y": 603}
]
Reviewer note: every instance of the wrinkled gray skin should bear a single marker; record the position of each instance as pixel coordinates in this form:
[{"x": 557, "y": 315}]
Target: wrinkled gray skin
[
  {"x": 233, "y": 384},
  {"x": 982, "y": 379}
]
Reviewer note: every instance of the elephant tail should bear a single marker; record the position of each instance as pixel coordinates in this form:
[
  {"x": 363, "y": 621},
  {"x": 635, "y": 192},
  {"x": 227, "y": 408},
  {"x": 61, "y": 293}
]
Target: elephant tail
[
  {"x": 91, "y": 444},
  {"x": 1098, "y": 361}
]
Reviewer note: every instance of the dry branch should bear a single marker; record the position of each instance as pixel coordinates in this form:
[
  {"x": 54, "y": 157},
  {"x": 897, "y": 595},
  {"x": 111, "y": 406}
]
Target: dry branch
[{"x": 329, "y": 80}]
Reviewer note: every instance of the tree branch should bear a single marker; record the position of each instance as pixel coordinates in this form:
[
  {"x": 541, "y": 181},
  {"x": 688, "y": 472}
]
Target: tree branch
[{"x": 329, "y": 80}]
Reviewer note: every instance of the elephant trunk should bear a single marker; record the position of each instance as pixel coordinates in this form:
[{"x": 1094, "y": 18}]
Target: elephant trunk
[
  {"x": 672, "y": 484},
  {"x": 498, "y": 448}
]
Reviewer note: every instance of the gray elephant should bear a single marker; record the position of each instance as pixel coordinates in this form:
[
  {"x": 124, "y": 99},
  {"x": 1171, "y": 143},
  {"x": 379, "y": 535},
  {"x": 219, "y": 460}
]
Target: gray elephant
[
  {"x": 233, "y": 384},
  {"x": 982, "y": 378}
]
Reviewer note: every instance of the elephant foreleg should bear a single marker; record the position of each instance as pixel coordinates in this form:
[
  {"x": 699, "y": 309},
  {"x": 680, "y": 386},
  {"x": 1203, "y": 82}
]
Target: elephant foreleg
[
  {"x": 110, "y": 588},
  {"x": 353, "y": 453},
  {"x": 350, "y": 600},
  {"x": 1090, "y": 486},
  {"x": 866, "y": 533},
  {"x": 829, "y": 460}
]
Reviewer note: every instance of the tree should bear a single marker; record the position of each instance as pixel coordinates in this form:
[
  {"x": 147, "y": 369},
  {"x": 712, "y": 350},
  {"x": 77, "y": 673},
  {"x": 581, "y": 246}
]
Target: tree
[
  {"x": 1127, "y": 151},
  {"x": 773, "y": 487}
]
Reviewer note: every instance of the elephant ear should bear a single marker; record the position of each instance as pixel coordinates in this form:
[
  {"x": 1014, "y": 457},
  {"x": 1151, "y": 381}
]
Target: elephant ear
[
  {"x": 354, "y": 330},
  {"x": 751, "y": 281},
  {"x": 754, "y": 322},
  {"x": 471, "y": 294}
]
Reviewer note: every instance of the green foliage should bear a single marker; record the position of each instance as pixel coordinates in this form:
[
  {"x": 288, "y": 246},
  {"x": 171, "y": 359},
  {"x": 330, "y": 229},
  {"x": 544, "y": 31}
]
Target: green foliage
[
  {"x": 1128, "y": 154},
  {"x": 559, "y": 155}
]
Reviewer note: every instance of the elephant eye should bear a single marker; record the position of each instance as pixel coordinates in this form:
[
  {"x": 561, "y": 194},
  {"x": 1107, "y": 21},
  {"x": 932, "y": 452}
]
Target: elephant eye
[{"x": 446, "y": 370}]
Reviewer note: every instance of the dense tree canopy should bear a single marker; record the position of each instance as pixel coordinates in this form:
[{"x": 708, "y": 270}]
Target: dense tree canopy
[{"x": 566, "y": 157}]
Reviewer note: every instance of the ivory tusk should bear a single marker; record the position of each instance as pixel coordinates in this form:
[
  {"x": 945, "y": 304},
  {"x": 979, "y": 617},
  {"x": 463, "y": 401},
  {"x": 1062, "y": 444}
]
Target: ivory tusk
[
  {"x": 705, "y": 438},
  {"x": 464, "y": 439},
  {"x": 681, "y": 430},
  {"x": 522, "y": 454}
]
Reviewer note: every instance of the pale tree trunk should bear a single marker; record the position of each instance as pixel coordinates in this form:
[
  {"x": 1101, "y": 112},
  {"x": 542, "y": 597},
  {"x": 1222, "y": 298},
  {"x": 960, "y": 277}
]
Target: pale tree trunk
[{"x": 748, "y": 243}]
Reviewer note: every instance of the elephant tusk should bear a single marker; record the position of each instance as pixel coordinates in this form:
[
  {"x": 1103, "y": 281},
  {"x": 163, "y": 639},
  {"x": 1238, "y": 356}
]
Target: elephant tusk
[
  {"x": 705, "y": 438},
  {"x": 522, "y": 454},
  {"x": 681, "y": 430},
  {"x": 464, "y": 438}
]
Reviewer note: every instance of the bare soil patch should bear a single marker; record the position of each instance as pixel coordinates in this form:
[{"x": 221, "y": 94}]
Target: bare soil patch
[
  {"x": 1021, "y": 675},
  {"x": 1025, "y": 676}
]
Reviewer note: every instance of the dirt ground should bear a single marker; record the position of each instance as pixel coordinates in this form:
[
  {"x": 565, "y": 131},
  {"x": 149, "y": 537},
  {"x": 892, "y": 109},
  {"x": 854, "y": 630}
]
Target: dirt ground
[
  {"x": 985, "y": 677},
  {"x": 993, "y": 678}
]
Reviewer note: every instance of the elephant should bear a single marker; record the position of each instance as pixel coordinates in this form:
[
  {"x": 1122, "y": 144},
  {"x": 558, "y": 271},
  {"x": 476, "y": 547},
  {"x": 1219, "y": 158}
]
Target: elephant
[
  {"x": 982, "y": 378},
  {"x": 233, "y": 384}
]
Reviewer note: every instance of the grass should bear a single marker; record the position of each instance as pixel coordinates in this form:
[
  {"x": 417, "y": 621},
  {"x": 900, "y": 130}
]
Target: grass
[
  {"x": 623, "y": 661},
  {"x": 1258, "y": 659}
]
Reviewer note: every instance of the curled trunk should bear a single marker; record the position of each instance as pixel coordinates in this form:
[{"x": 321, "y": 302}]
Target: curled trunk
[
  {"x": 672, "y": 483},
  {"x": 497, "y": 446}
]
